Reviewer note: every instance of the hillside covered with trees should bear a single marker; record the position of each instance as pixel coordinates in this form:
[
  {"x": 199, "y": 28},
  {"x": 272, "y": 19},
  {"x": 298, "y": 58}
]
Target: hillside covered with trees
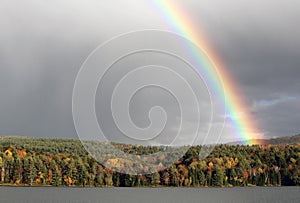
[
  {"x": 273, "y": 141},
  {"x": 64, "y": 162}
]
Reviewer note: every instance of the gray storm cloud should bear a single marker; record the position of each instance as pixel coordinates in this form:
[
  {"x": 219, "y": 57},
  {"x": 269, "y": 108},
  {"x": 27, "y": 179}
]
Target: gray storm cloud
[{"x": 43, "y": 44}]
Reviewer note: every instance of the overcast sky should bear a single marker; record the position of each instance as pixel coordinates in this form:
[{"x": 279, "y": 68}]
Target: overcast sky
[{"x": 44, "y": 43}]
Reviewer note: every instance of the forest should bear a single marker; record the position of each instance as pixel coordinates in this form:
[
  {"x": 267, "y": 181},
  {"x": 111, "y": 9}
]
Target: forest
[{"x": 28, "y": 161}]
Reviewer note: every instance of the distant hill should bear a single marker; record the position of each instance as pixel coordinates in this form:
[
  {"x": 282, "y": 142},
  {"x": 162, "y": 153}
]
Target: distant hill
[
  {"x": 274, "y": 141},
  {"x": 61, "y": 143}
]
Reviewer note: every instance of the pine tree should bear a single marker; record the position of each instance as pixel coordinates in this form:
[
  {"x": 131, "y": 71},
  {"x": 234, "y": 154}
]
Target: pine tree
[
  {"x": 56, "y": 176},
  {"x": 218, "y": 177},
  {"x": 29, "y": 170}
]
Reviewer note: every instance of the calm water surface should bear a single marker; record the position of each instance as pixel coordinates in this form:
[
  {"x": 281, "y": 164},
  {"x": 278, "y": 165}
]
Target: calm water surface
[{"x": 130, "y": 195}]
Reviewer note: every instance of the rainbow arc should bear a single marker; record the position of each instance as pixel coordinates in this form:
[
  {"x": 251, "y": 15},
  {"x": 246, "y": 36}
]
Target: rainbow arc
[{"x": 237, "y": 114}]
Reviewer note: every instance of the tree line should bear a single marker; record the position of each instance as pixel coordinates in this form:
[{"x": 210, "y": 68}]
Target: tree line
[{"x": 62, "y": 162}]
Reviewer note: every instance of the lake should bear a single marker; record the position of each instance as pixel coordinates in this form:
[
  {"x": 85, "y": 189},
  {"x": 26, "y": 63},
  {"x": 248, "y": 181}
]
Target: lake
[{"x": 155, "y": 195}]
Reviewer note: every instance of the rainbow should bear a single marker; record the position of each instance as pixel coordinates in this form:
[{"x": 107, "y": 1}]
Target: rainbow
[{"x": 245, "y": 128}]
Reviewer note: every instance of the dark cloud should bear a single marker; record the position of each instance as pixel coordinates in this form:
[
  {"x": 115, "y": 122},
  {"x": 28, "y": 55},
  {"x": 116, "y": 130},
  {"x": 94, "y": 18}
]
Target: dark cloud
[
  {"x": 259, "y": 43},
  {"x": 43, "y": 45},
  {"x": 280, "y": 117}
]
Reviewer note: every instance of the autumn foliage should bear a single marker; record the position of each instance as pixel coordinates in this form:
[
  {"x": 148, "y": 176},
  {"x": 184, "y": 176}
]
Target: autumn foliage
[{"x": 62, "y": 162}]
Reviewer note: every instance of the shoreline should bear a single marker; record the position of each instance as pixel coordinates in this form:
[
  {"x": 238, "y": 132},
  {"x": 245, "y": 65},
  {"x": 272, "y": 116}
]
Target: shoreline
[{"x": 147, "y": 187}]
